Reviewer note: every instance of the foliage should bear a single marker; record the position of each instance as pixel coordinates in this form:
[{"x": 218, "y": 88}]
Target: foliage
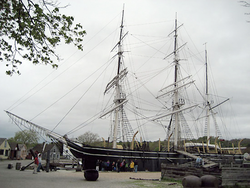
[
  {"x": 31, "y": 31},
  {"x": 89, "y": 138},
  {"x": 157, "y": 184},
  {"x": 27, "y": 137},
  {"x": 154, "y": 145},
  {"x": 245, "y": 4}
]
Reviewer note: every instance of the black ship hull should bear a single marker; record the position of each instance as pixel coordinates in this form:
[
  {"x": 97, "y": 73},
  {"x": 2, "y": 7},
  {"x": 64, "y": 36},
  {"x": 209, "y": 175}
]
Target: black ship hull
[{"x": 147, "y": 160}]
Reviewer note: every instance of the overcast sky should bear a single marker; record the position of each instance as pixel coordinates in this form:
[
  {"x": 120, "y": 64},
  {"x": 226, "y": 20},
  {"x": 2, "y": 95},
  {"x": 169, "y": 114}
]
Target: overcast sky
[{"x": 222, "y": 24}]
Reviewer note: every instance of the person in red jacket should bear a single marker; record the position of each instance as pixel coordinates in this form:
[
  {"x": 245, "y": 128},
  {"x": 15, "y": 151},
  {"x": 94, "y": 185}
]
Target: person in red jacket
[{"x": 35, "y": 165}]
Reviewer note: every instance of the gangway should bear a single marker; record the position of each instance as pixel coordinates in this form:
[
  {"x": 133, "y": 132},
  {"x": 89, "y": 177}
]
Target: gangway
[{"x": 209, "y": 163}]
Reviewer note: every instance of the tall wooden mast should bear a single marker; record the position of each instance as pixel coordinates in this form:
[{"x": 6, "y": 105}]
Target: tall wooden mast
[
  {"x": 177, "y": 102},
  {"x": 176, "y": 105},
  {"x": 118, "y": 98},
  {"x": 207, "y": 100}
]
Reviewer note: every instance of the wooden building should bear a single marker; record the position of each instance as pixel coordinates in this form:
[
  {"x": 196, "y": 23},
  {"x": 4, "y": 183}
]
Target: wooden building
[
  {"x": 4, "y": 148},
  {"x": 18, "y": 151},
  {"x": 54, "y": 152}
]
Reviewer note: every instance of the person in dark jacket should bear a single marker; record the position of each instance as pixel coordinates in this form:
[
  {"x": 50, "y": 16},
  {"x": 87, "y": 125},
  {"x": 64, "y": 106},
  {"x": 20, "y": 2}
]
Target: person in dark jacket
[
  {"x": 35, "y": 165},
  {"x": 136, "y": 165},
  {"x": 39, "y": 162},
  {"x": 118, "y": 167}
]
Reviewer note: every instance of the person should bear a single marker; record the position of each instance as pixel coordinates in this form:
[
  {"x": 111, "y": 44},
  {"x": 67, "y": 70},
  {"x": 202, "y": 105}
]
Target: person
[
  {"x": 35, "y": 165},
  {"x": 198, "y": 161},
  {"x": 123, "y": 164},
  {"x": 118, "y": 167},
  {"x": 136, "y": 165},
  {"x": 97, "y": 165},
  {"x": 39, "y": 162},
  {"x": 132, "y": 165},
  {"x": 100, "y": 165},
  {"x": 107, "y": 165},
  {"x": 113, "y": 166},
  {"x": 126, "y": 167},
  {"x": 103, "y": 165}
]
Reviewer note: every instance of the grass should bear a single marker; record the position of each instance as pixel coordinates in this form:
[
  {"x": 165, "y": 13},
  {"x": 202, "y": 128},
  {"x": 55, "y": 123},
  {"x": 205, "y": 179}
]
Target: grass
[{"x": 155, "y": 184}]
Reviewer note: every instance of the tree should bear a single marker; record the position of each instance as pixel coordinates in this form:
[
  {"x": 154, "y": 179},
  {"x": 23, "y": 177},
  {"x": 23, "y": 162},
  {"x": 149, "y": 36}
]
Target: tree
[
  {"x": 27, "y": 137},
  {"x": 245, "y": 4},
  {"x": 31, "y": 31},
  {"x": 89, "y": 138}
]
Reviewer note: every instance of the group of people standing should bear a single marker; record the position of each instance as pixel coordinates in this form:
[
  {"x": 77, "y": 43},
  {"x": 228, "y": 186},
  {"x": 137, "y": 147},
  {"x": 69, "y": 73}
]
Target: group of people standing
[
  {"x": 118, "y": 166},
  {"x": 133, "y": 165}
]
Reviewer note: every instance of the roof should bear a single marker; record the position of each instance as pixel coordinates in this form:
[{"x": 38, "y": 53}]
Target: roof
[
  {"x": 39, "y": 147},
  {"x": 2, "y": 140},
  {"x": 20, "y": 146},
  {"x": 13, "y": 145},
  {"x": 48, "y": 147}
]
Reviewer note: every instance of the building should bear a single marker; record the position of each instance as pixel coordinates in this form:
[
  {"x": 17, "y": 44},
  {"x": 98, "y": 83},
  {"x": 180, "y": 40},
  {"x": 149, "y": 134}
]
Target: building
[
  {"x": 52, "y": 149},
  {"x": 18, "y": 151},
  {"x": 4, "y": 148}
]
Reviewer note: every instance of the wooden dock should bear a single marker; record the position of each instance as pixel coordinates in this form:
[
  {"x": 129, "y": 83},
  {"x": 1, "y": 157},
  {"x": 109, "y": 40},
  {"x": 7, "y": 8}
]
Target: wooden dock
[
  {"x": 208, "y": 164},
  {"x": 227, "y": 175}
]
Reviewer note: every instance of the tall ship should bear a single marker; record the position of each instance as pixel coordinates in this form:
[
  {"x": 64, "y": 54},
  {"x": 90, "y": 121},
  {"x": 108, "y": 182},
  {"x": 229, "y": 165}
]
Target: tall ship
[{"x": 175, "y": 106}]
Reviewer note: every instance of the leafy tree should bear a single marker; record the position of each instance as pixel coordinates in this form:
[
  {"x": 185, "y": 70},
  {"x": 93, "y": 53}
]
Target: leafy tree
[
  {"x": 27, "y": 137},
  {"x": 245, "y": 4},
  {"x": 89, "y": 138},
  {"x": 31, "y": 30}
]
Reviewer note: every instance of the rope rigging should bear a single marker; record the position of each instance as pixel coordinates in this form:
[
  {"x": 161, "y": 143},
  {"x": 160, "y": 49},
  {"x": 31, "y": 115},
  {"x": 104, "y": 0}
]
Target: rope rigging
[{"x": 145, "y": 107}]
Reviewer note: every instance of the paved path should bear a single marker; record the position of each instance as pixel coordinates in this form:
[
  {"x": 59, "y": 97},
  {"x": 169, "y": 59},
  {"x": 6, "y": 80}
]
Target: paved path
[{"x": 12, "y": 178}]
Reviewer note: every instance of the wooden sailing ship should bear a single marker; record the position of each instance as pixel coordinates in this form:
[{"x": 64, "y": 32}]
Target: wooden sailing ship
[{"x": 148, "y": 160}]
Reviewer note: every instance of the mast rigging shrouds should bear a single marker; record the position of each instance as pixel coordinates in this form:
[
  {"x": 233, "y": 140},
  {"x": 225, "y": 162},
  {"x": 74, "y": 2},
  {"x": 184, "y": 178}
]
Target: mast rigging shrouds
[{"x": 31, "y": 126}]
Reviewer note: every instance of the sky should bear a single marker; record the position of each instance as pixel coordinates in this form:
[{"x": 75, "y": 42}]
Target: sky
[{"x": 38, "y": 93}]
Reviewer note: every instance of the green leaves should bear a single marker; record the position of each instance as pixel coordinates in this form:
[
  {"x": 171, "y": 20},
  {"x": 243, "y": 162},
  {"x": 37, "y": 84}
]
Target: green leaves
[
  {"x": 31, "y": 31},
  {"x": 27, "y": 137}
]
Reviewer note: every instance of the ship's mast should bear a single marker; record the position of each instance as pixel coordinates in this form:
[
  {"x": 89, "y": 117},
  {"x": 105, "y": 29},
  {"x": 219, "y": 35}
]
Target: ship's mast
[
  {"x": 176, "y": 105},
  {"x": 118, "y": 98},
  {"x": 177, "y": 102},
  {"x": 207, "y": 99}
]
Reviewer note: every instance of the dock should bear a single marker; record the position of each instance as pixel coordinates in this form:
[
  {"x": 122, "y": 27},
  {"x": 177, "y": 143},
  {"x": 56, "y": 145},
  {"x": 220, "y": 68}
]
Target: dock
[{"x": 208, "y": 164}]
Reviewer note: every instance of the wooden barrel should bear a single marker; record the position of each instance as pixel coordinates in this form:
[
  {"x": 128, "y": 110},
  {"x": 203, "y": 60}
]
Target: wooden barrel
[
  {"x": 91, "y": 174},
  {"x": 18, "y": 166},
  {"x": 10, "y": 166}
]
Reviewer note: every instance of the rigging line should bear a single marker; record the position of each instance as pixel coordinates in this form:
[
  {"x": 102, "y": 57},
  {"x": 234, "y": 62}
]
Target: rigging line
[
  {"x": 149, "y": 79},
  {"x": 68, "y": 92},
  {"x": 143, "y": 84},
  {"x": 10, "y": 108},
  {"x": 133, "y": 102},
  {"x": 84, "y": 124},
  {"x": 203, "y": 97},
  {"x": 150, "y": 23},
  {"x": 53, "y": 71},
  {"x": 78, "y": 99},
  {"x": 76, "y": 103},
  {"x": 159, "y": 37},
  {"x": 25, "y": 127},
  {"x": 145, "y": 102},
  {"x": 102, "y": 29},
  {"x": 137, "y": 120},
  {"x": 148, "y": 42},
  {"x": 193, "y": 43},
  {"x": 157, "y": 50},
  {"x": 145, "y": 118},
  {"x": 57, "y": 75},
  {"x": 149, "y": 119}
]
